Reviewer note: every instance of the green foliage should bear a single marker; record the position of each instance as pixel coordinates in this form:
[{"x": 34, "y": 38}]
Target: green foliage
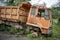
[
  {"x": 2, "y": 28},
  {"x": 12, "y": 30},
  {"x": 29, "y": 35},
  {"x": 56, "y": 25},
  {"x": 55, "y": 12},
  {"x": 15, "y": 2}
]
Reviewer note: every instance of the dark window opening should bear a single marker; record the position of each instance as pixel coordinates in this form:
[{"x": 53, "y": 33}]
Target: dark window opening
[{"x": 41, "y": 13}]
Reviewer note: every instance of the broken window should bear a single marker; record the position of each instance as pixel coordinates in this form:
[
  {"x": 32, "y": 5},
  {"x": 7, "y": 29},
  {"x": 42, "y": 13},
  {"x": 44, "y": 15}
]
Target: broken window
[
  {"x": 40, "y": 13},
  {"x": 46, "y": 14},
  {"x": 43, "y": 13}
]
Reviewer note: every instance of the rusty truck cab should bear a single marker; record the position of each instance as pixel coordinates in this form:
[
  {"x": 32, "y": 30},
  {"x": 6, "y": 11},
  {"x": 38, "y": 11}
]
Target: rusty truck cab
[{"x": 40, "y": 16}]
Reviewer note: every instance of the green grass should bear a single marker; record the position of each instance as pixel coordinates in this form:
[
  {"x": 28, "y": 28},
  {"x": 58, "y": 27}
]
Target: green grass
[
  {"x": 56, "y": 28},
  {"x": 11, "y": 29}
]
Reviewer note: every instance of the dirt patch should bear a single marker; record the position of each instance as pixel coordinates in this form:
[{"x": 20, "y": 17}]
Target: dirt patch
[{"x": 4, "y": 35}]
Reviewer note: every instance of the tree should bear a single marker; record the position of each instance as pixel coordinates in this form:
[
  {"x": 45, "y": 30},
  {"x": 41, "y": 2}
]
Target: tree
[
  {"x": 56, "y": 13},
  {"x": 15, "y": 2},
  {"x": 56, "y": 10},
  {"x": 10, "y": 2}
]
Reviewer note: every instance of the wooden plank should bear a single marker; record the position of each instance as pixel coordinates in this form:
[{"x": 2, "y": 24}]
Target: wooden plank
[
  {"x": 14, "y": 17},
  {"x": 14, "y": 11},
  {"x": 23, "y": 13},
  {"x": 18, "y": 13},
  {"x": 22, "y": 18},
  {"x": 8, "y": 11},
  {"x": 2, "y": 11}
]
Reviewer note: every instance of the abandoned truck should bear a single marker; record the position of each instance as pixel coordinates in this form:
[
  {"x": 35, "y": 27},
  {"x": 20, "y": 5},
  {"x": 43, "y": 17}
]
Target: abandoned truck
[{"x": 36, "y": 17}]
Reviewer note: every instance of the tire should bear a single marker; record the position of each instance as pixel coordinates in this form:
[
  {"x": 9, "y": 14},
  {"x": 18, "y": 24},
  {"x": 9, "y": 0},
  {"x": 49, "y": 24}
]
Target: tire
[{"x": 34, "y": 34}]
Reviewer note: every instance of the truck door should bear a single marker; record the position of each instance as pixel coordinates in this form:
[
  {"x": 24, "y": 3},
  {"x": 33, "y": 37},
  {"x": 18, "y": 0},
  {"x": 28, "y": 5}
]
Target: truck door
[{"x": 32, "y": 16}]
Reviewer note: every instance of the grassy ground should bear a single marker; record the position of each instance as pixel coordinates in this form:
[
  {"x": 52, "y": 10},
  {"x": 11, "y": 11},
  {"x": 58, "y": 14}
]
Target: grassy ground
[{"x": 55, "y": 36}]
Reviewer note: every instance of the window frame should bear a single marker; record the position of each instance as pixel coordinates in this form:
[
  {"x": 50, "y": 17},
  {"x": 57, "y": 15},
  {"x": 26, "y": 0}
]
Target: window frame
[
  {"x": 46, "y": 15},
  {"x": 33, "y": 11}
]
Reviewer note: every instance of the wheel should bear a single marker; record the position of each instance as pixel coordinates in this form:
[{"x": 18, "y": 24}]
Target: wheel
[
  {"x": 34, "y": 34},
  {"x": 33, "y": 30}
]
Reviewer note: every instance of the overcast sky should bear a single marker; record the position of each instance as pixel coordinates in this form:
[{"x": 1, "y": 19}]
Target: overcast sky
[{"x": 49, "y": 3}]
